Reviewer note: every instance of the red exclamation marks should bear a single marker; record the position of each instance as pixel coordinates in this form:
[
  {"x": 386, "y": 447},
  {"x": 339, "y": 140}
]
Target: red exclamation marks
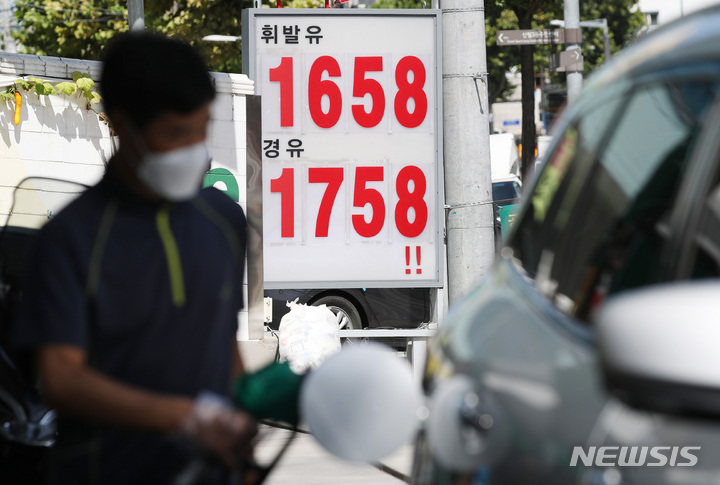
[{"x": 418, "y": 259}]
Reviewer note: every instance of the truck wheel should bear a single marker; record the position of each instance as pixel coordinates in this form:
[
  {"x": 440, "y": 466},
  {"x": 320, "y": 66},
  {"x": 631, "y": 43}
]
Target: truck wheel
[{"x": 349, "y": 316}]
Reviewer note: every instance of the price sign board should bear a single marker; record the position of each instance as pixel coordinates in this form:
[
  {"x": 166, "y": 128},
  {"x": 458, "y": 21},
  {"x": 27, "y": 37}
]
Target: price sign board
[{"x": 352, "y": 158}]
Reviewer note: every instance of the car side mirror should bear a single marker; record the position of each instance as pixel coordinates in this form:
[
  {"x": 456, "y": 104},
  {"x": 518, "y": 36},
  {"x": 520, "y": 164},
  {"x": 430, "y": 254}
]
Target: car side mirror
[{"x": 659, "y": 347}]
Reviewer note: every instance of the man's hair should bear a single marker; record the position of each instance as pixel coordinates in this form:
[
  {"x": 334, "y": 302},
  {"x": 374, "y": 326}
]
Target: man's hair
[{"x": 145, "y": 75}]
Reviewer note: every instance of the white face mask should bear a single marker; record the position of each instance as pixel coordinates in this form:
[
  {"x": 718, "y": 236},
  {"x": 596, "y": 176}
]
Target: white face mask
[{"x": 175, "y": 175}]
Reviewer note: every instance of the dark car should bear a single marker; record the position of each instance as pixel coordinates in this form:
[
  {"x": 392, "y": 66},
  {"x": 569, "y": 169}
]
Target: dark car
[
  {"x": 27, "y": 425},
  {"x": 506, "y": 193},
  {"x": 360, "y": 307},
  {"x": 586, "y": 355}
]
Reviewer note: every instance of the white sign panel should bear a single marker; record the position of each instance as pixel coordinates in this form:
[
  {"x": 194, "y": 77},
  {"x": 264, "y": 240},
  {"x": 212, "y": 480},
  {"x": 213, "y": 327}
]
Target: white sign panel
[{"x": 352, "y": 172}]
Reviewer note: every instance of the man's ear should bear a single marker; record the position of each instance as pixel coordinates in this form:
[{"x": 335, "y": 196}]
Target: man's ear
[
  {"x": 124, "y": 128},
  {"x": 120, "y": 124}
]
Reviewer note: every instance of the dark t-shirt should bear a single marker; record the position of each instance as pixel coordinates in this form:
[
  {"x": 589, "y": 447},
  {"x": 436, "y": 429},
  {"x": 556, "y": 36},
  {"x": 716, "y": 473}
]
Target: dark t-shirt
[{"x": 166, "y": 285}]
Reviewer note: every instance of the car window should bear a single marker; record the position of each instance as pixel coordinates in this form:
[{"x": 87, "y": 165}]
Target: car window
[
  {"x": 703, "y": 260},
  {"x": 603, "y": 229},
  {"x": 706, "y": 257},
  {"x": 560, "y": 183},
  {"x": 505, "y": 190}
]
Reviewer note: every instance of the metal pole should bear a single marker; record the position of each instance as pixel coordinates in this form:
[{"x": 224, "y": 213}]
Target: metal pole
[
  {"x": 572, "y": 21},
  {"x": 136, "y": 14},
  {"x": 466, "y": 133},
  {"x": 606, "y": 40}
]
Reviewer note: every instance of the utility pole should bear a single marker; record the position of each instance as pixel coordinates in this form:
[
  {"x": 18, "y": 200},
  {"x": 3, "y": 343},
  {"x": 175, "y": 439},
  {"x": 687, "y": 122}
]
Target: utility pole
[
  {"x": 7, "y": 19},
  {"x": 466, "y": 120},
  {"x": 136, "y": 14},
  {"x": 6, "y": 22},
  {"x": 606, "y": 39},
  {"x": 572, "y": 21}
]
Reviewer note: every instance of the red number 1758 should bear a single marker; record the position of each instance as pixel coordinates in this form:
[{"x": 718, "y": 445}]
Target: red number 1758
[{"x": 410, "y": 187}]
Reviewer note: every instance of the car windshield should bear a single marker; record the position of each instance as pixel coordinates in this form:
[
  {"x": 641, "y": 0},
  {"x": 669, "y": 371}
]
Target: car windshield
[
  {"x": 594, "y": 222},
  {"x": 505, "y": 190}
]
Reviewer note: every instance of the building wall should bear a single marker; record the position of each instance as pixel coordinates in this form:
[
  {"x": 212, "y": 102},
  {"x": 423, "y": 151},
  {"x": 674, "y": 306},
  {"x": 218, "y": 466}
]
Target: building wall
[
  {"x": 669, "y": 10},
  {"x": 58, "y": 137}
]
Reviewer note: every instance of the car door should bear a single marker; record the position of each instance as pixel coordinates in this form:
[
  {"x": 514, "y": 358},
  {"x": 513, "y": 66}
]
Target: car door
[
  {"x": 663, "y": 448},
  {"x": 522, "y": 352},
  {"x": 538, "y": 362},
  {"x": 599, "y": 220},
  {"x": 597, "y": 223}
]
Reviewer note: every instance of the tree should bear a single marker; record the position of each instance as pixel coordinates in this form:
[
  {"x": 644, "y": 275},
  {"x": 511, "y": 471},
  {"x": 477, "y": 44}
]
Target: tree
[
  {"x": 524, "y": 11},
  {"x": 68, "y": 28},
  {"x": 499, "y": 59},
  {"x": 625, "y": 23},
  {"x": 195, "y": 19},
  {"x": 398, "y": 4},
  {"x": 624, "y": 20}
]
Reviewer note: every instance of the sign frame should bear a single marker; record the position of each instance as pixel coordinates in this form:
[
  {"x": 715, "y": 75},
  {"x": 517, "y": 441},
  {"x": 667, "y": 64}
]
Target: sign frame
[{"x": 433, "y": 247}]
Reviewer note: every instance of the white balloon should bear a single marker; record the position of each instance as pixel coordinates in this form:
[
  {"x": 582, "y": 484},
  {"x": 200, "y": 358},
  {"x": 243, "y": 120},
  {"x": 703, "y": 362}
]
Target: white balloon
[{"x": 361, "y": 404}]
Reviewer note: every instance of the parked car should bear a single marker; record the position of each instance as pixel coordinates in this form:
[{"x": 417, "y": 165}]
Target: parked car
[
  {"x": 506, "y": 193},
  {"x": 360, "y": 307},
  {"x": 586, "y": 355},
  {"x": 506, "y": 189}
]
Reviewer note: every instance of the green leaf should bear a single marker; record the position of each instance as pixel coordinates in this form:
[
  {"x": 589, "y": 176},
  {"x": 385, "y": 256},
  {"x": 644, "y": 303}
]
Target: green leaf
[
  {"x": 7, "y": 96},
  {"x": 85, "y": 83},
  {"x": 67, "y": 88},
  {"x": 34, "y": 81},
  {"x": 47, "y": 89},
  {"x": 92, "y": 96},
  {"x": 80, "y": 75},
  {"x": 22, "y": 83}
]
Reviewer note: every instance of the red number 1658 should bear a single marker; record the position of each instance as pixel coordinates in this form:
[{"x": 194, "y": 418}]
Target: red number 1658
[{"x": 408, "y": 87}]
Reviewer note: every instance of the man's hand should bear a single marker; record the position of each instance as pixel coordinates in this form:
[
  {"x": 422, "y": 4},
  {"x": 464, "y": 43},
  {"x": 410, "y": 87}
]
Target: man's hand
[
  {"x": 72, "y": 387},
  {"x": 220, "y": 429}
]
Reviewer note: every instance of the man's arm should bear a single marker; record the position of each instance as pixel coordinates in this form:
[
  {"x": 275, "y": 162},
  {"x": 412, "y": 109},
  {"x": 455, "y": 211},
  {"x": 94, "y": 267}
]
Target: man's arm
[{"x": 71, "y": 386}]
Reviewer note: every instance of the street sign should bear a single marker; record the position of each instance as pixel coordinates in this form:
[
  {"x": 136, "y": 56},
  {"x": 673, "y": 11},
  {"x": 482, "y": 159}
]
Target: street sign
[
  {"x": 539, "y": 36},
  {"x": 351, "y": 145},
  {"x": 529, "y": 37},
  {"x": 567, "y": 61}
]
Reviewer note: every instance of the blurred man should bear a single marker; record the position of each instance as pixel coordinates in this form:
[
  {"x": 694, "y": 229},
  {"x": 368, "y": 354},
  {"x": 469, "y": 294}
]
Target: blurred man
[{"x": 132, "y": 295}]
